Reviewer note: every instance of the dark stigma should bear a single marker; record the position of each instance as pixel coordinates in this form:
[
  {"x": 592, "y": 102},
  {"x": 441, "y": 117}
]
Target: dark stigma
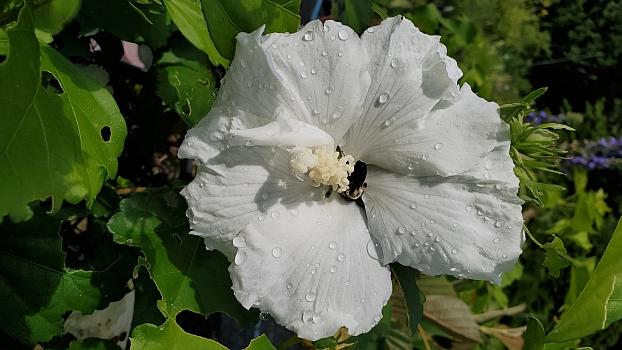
[{"x": 357, "y": 184}]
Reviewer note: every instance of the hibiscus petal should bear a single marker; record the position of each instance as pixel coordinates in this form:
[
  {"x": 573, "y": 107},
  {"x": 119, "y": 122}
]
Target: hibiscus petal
[
  {"x": 410, "y": 74},
  {"x": 458, "y": 225},
  {"x": 238, "y": 186},
  {"x": 311, "y": 270}
]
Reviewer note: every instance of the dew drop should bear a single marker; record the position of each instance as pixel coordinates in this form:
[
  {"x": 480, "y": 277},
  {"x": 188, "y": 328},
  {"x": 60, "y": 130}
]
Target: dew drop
[
  {"x": 413, "y": 205},
  {"x": 383, "y": 98},
  {"x": 341, "y": 257},
  {"x": 276, "y": 252},
  {"x": 310, "y": 297},
  {"x": 303, "y": 75},
  {"x": 343, "y": 35},
  {"x": 371, "y": 250},
  {"x": 315, "y": 318},
  {"x": 488, "y": 165},
  {"x": 504, "y": 256},
  {"x": 333, "y": 269},
  {"x": 401, "y": 230},
  {"x": 496, "y": 240},
  {"x": 289, "y": 286},
  {"x": 307, "y": 315},
  {"x": 371, "y": 29},
  {"x": 308, "y": 36},
  {"x": 313, "y": 71},
  {"x": 480, "y": 213},
  {"x": 261, "y": 218},
  {"x": 313, "y": 272},
  {"x": 437, "y": 239},
  {"x": 332, "y": 245},
  {"x": 347, "y": 283},
  {"x": 239, "y": 242},
  {"x": 240, "y": 258},
  {"x": 329, "y": 90},
  {"x": 454, "y": 226},
  {"x": 432, "y": 221},
  {"x": 454, "y": 251},
  {"x": 339, "y": 53},
  {"x": 469, "y": 208},
  {"x": 394, "y": 63},
  {"x": 438, "y": 146},
  {"x": 486, "y": 176},
  {"x": 324, "y": 53}
]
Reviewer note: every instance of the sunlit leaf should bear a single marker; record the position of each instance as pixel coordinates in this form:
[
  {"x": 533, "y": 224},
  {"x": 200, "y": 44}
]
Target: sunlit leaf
[
  {"x": 60, "y": 132},
  {"x": 600, "y": 302},
  {"x": 169, "y": 336},
  {"x": 260, "y": 343},
  {"x": 225, "y": 19},
  {"x": 554, "y": 259}
]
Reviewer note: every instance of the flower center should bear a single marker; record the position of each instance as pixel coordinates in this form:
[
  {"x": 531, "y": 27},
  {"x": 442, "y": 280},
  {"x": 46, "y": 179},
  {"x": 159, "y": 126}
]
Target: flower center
[{"x": 324, "y": 167}]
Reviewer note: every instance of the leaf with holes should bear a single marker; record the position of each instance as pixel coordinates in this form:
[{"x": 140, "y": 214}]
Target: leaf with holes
[
  {"x": 35, "y": 288},
  {"x": 187, "y": 276},
  {"x": 225, "y": 19},
  {"x": 186, "y": 82},
  {"x": 52, "y": 122}
]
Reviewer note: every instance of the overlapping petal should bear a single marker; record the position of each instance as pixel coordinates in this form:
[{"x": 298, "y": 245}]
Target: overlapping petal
[
  {"x": 239, "y": 186},
  {"x": 311, "y": 270},
  {"x": 462, "y": 226}
]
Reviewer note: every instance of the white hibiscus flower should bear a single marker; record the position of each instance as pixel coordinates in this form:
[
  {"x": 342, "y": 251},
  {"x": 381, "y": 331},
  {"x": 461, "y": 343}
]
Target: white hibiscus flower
[{"x": 327, "y": 156}]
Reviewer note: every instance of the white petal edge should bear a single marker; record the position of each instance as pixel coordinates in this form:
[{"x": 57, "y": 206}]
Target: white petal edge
[
  {"x": 453, "y": 225},
  {"x": 312, "y": 271}
]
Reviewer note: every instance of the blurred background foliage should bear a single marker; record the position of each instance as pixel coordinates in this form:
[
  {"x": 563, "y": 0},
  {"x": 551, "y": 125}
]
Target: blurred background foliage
[{"x": 506, "y": 48}]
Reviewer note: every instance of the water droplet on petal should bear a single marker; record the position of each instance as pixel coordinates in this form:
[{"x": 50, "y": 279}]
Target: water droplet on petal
[
  {"x": 394, "y": 63},
  {"x": 377, "y": 318},
  {"x": 307, "y": 315},
  {"x": 313, "y": 71},
  {"x": 333, "y": 269},
  {"x": 341, "y": 257},
  {"x": 343, "y": 35},
  {"x": 303, "y": 75},
  {"x": 495, "y": 240},
  {"x": 413, "y": 205},
  {"x": 438, "y": 146},
  {"x": 504, "y": 256},
  {"x": 308, "y": 36},
  {"x": 371, "y": 250},
  {"x": 488, "y": 165},
  {"x": 329, "y": 90},
  {"x": 240, "y": 257},
  {"x": 326, "y": 27},
  {"x": 239, "y": 242},
  {"x": 454, "y": 251},
  {"x": 339, "y": 53},
  {"x": 276, "y": 252},
  {"x": 324, "y": 53},
  {"x": 310, "y": 297},
  {"x": 383, "y": 98},
  {"x": 401, "y": 230},
  {"x": 275, "y": 215},
  {"x": 289, "y": 286},
  {"x": 371, "y": 29},
  {"x": 437, "y": 239},
  {"x": 332, "y": 245},
  {"x": 261, "y": 218},
  {"x": 313, "y": 272}
]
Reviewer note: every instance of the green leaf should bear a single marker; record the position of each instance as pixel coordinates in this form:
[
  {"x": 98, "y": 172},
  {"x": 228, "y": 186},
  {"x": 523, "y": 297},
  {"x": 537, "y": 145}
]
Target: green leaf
[
  {"x": 532, "y": 96},
  {"x": 357, "y": 14},
  {"x": 600, "y": 302},
  {"x": 35, "y": 288},
  {"x": 52, "y": 16},
  {"x": 225, "y": 19},
  {"x": 406, "y": 277},
  {"x": 534, "y": 335},
  {"x": 554, "y": 259},
  {"x": 127, "y": 20},
  {"x": 169, "y": 336},
  {"x": 186, "y": 82},
  {"x": 51, "y": 127},
  {"x": 260, "y": 343},
  {"x": 188, "y": 17},
  {"x": 187, "y": 276}
]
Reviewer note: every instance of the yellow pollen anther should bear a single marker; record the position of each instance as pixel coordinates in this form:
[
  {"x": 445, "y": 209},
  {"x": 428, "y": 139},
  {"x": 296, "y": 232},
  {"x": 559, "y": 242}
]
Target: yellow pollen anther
[{"x": 324, "y": 167}]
